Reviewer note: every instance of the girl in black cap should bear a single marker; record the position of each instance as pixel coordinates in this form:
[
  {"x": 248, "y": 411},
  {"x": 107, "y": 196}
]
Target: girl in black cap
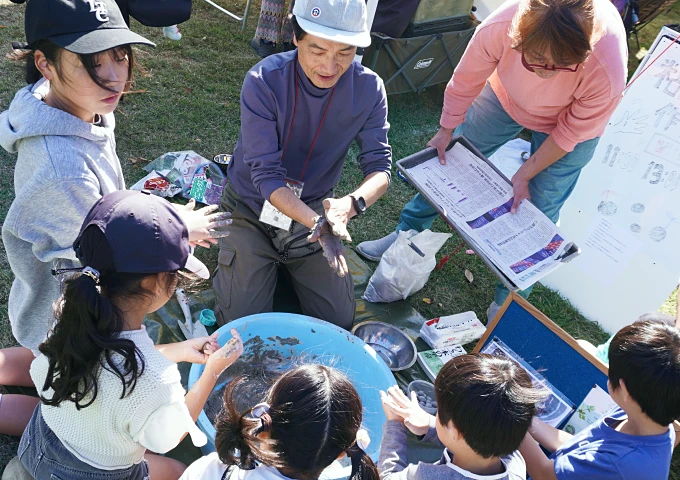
[
  {"x": 79, "y": 64},
  {"x": 107, "y": 394}
]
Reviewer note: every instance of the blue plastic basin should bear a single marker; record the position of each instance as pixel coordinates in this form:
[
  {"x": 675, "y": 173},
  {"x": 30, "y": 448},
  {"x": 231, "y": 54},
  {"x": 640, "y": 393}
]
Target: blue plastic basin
[{"x": 323, "y": 343}]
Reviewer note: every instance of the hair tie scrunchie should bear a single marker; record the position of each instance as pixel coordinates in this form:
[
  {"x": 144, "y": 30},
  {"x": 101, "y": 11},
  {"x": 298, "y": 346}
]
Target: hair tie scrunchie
[
  {"x": 357, "y": 450},
  {"x": 261, "y": 411},
  {"x": 360, "y": 444},
  {"x": 92, "y": 273},
  {"x": 363, "y": 440}
]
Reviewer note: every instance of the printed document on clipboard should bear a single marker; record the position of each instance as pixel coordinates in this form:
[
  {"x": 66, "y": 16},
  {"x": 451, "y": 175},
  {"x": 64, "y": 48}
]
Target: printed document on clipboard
[{"x": 476, "y": 199}]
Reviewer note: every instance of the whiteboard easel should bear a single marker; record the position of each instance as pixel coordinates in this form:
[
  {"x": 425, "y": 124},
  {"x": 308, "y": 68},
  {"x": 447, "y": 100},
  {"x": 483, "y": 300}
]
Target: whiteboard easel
[{"x": 625, "y": 210}]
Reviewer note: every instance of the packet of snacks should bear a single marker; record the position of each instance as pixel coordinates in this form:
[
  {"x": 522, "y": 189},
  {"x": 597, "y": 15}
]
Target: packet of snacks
[{"x": 157, "y": 184}]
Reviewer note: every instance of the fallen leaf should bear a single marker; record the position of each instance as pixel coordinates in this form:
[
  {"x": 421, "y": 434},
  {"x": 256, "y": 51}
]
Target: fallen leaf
[
  {"x": 197, "y": 140},
  {"x": 469, "y": 276},
  {"x": 134, "y": 160},
  {"x": 2, "y": 26},
  {"x": 427, "y": 300},
  {"x": 187, "y": 89}
]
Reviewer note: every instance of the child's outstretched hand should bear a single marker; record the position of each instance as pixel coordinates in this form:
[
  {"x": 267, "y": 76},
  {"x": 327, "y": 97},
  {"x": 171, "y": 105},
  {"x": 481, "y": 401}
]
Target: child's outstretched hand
[
  {"x": 205, "y": 225},
  {"x": 199, "y": 349},
  {"x": 225, "y": 356},
  {"x": 398, "y": 406}
]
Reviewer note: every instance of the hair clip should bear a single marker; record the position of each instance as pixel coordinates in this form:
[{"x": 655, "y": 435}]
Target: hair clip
[
  {"x": 363, "y": 439},
  {"x": 261, "y": 411},
  {"x": 60, "y": 271},
  {"x": 92, "y": 273}
]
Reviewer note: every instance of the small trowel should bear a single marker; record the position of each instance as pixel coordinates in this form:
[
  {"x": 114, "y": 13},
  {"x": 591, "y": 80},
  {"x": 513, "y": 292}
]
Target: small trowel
[{"x": 189, "y": 328}]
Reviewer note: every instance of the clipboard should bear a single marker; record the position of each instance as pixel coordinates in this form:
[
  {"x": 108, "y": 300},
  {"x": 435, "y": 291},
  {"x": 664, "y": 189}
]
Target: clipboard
[{"x": 425, "y": 155}]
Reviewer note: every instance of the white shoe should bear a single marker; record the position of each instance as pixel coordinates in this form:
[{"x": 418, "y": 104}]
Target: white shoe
[
  {"x": 374, "y": 249},
  {"x": 492, "y": 311},
  {"x": 172, "y": 32}
]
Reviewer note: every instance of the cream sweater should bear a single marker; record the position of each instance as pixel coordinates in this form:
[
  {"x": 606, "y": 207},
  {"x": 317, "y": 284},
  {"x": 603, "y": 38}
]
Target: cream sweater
[{"x": 113, "y": 433}]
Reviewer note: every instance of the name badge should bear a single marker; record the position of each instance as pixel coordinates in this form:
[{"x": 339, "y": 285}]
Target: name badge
[{"x": 272, "y": 216}]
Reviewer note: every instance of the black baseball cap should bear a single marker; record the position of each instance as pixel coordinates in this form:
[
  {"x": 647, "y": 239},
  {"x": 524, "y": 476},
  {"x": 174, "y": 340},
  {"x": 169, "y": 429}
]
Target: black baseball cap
[
  {"x": 143, "y": 234},
  {"x": 79, "y": 26}
]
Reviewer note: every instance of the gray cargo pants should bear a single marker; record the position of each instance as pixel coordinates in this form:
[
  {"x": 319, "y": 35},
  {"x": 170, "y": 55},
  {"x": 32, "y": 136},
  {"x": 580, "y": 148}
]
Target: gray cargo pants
[{"x": 247, "y": 269}]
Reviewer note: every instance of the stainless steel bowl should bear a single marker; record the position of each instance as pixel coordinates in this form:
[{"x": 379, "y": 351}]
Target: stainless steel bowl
[{"x": 391, "y": 344}]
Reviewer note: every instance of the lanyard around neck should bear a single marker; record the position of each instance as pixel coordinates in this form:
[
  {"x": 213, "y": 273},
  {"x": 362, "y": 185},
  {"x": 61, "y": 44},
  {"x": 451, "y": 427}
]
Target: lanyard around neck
[{"x": 292, "y": 123}]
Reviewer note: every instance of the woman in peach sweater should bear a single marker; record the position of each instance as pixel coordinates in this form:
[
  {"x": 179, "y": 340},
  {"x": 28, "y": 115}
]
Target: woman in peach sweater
[{"x": 554, "y": 67}]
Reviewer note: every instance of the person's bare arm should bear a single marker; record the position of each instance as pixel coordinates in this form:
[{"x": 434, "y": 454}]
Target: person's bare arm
[
  {"x": 539, "y": 467},
  {"x": 372, "y": 188},
  {"x": 547, "y": 154},
  {"x": 289, "y": 204},
  {"x": 549, "y": 437},
  {"x": 340, "y": 210}
]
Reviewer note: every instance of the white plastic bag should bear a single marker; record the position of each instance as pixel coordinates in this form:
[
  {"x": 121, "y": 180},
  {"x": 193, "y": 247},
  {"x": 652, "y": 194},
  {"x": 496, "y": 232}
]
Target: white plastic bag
[{"x": 405, "y": 267}]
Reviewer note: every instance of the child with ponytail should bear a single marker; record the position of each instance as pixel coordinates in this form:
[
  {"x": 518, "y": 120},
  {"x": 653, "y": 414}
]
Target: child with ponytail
[
  {"x": 79, "y": 63},
  {"x": 311, "y": 416},
  {"x": 107, "y": 393}
]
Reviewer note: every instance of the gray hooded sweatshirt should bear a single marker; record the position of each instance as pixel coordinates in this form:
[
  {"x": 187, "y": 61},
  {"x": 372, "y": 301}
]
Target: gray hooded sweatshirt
[{"x": 64, "y": 166}]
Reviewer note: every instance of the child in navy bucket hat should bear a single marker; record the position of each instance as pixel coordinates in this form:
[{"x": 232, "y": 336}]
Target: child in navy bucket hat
[{"x": 107, "y": 394}]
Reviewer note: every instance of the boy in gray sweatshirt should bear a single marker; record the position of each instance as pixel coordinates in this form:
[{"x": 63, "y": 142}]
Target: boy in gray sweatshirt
[{"x": 485, "y": 407}]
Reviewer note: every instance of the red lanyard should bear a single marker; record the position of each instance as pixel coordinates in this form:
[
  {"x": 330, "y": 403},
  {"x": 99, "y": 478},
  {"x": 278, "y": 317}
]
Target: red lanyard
[{"x": 292, "y": 123}]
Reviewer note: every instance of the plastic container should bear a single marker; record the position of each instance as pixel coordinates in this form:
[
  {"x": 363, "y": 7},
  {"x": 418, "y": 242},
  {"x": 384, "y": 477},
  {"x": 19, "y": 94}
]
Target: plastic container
[
  {"x": 323, "y": 343},
  {"x": 428, "y": 389},
  {"x": 207, "y": 317}
]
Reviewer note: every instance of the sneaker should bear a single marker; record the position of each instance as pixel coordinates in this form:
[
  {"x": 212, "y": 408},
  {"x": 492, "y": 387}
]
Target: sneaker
[
  {"x": 172, "y": 32},
  {"x": 262, "y": 47},
  {"x": 374, "y": 249},
  {"x": 492, "y": 311}
]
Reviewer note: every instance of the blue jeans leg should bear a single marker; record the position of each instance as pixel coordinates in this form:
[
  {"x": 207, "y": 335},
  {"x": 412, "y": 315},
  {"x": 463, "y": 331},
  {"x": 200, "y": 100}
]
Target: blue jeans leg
[
  {"x": 551, "y": 187},
  {"x": 46, "y": 458},
  {"x": 487, "y": 126}
]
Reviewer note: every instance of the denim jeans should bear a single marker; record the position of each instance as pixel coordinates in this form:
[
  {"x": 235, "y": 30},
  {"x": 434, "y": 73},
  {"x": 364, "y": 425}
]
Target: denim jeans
[
  {"x": 46, "y": 458},
  {"x": 488, "y": 126}
]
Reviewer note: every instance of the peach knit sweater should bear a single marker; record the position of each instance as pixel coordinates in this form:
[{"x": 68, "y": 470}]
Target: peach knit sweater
[{"x": 572, "y": 107}]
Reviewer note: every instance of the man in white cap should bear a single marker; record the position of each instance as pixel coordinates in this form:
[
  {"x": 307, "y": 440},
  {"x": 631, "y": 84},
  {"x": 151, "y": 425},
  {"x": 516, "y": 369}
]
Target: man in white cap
[{"x": 300, "y": 112}]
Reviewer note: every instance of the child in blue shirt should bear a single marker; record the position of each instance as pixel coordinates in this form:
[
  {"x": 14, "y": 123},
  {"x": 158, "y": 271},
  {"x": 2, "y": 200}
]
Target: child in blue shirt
[{"x": 635, "y": 441}]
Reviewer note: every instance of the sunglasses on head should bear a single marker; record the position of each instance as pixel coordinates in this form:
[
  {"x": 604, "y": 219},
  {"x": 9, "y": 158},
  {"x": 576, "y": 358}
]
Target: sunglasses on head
[{"x": 551, "y": 68}]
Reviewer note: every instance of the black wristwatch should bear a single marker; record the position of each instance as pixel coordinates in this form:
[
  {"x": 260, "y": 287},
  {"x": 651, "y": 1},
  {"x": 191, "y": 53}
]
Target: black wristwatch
[{"x": 359, "y": 204}]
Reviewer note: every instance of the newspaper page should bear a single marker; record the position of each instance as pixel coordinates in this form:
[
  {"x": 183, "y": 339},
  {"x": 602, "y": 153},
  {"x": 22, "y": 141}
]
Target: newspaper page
[{"x": 525, "y": 246}]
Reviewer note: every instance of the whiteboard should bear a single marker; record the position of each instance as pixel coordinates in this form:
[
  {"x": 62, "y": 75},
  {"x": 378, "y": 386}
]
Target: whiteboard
[{"x": 625, "y": 210}]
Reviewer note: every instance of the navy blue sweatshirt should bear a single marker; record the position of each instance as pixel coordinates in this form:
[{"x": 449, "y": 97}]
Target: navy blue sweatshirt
[{"x": 358, "y": 111}]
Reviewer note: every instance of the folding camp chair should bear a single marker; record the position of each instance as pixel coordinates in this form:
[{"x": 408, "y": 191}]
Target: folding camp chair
[
  {"x": 646, "y": 11},
  {"x": 413, "y": 64},
  {"x": 242, "y": 19},
  {"x": 428, "y": 50}
]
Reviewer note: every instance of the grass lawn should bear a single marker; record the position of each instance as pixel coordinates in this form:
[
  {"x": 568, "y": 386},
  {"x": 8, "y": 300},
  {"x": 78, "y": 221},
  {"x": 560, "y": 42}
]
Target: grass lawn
[{"x": 189, "y": 99}]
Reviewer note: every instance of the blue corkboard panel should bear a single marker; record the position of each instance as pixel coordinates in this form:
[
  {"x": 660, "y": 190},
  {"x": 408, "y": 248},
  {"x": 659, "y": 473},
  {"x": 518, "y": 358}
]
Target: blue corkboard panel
[{"x": 563, "y": 366}]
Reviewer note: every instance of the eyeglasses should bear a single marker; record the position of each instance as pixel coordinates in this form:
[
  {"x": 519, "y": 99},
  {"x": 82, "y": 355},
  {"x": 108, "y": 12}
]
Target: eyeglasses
[{"x": 551, "y": 68}]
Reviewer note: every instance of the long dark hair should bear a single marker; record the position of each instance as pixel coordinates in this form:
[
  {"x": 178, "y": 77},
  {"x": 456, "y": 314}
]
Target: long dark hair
[
  {"x": 315, "y": 415},
  {"x": 53, "y": 52},
  {"x": 85, "y": 337}
]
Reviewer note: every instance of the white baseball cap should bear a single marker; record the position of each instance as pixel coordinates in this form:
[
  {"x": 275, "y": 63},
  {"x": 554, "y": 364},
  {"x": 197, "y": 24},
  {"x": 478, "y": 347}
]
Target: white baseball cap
[{"x": 342, "y": 21}]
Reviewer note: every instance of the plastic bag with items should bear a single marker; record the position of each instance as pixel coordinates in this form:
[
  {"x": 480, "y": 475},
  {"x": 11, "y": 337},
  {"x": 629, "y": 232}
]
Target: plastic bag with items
[{"x": 405, "y": 267}]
